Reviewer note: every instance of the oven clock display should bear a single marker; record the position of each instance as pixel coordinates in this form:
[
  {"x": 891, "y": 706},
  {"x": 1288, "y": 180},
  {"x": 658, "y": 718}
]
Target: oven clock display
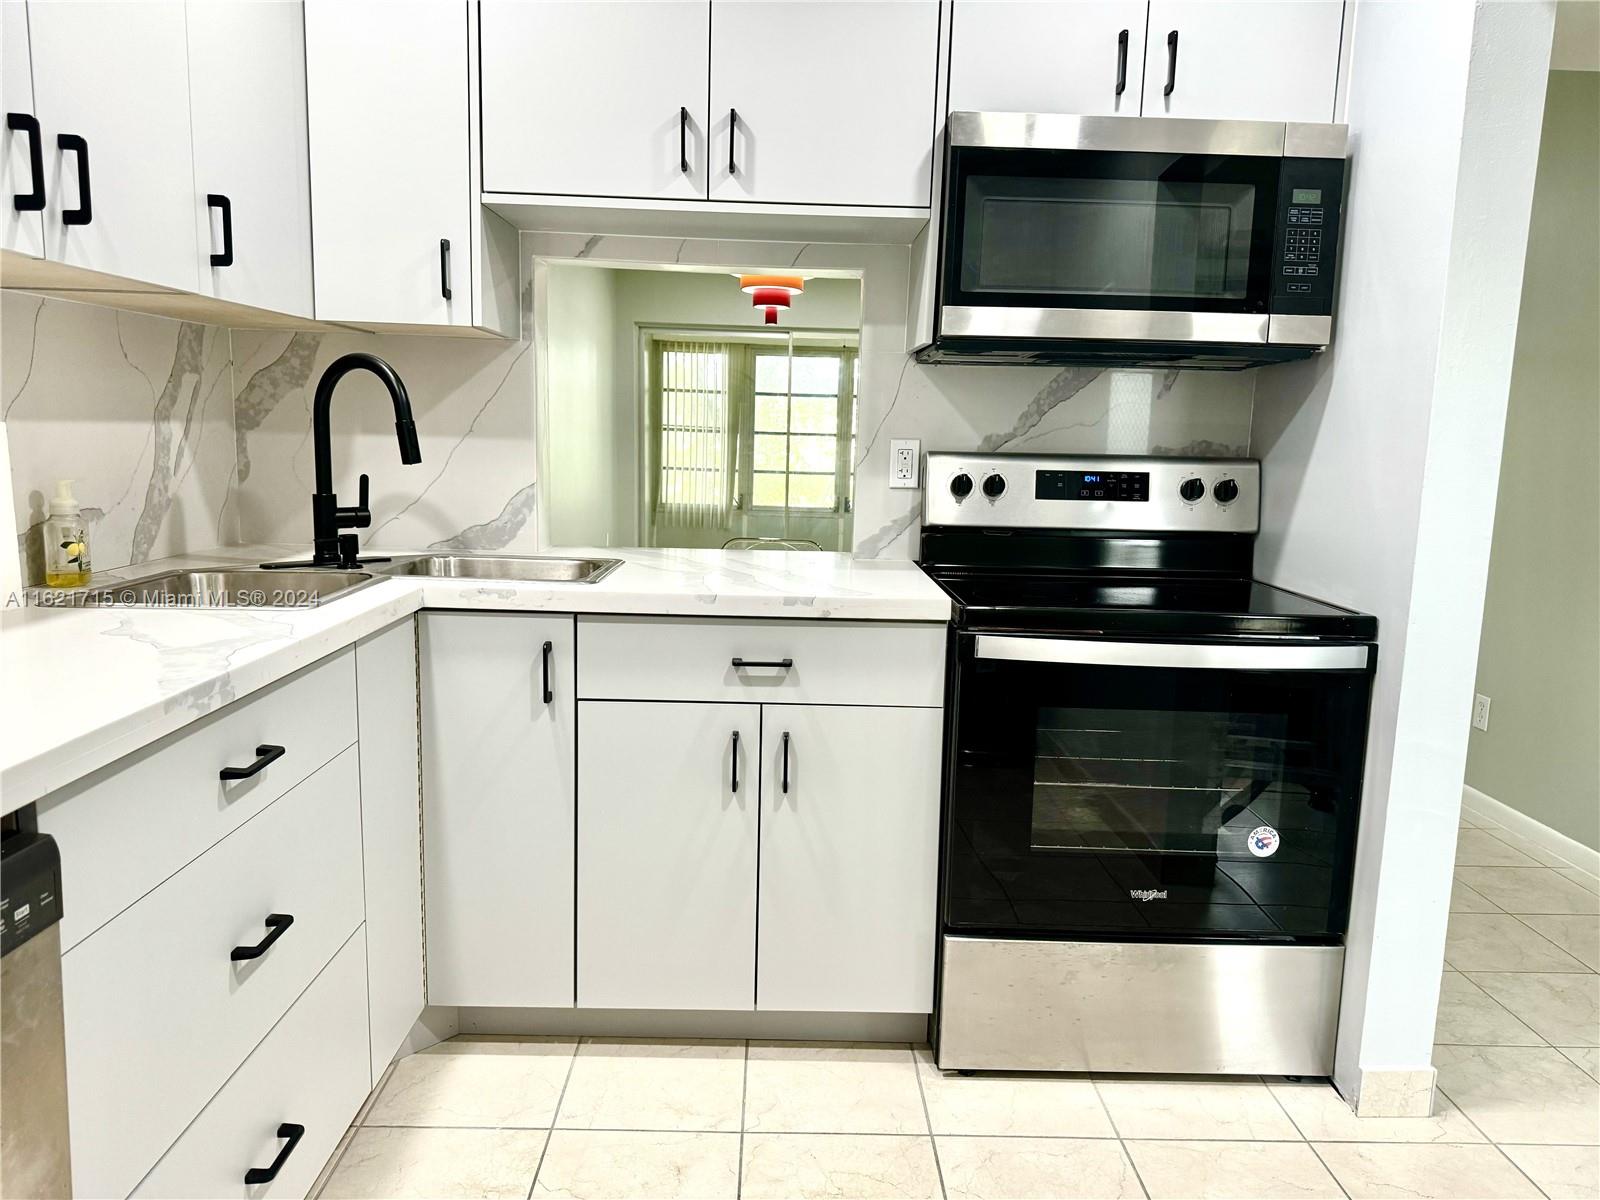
[{"x": 1091, "y": 485}]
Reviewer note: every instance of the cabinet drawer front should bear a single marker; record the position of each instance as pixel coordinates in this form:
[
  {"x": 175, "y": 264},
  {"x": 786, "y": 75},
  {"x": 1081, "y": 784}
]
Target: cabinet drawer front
[
  {"x": 831, "y": 662},
  {"x": 124, "y": 829},
  {"x": 158, "y": 1014},
  {"x": 311, "y": 1070}
]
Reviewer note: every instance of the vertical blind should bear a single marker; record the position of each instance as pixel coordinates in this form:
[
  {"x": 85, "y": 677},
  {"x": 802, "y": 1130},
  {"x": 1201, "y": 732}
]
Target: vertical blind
[{"x": 695, "y": 483}]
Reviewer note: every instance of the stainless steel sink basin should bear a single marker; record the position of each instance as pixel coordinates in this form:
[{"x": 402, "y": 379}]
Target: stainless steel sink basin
[
  {"x": 223, "y": 588},
  {"x": 523, "y": 568}
]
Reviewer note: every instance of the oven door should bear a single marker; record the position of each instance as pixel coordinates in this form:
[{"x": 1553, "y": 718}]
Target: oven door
[{"x": 1153, "y": 791}]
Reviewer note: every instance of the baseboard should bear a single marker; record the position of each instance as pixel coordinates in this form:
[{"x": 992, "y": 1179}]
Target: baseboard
[
  {"x": 1486, "y": 806},
  {"x": 1392, "y": 1093},
  {"x": 659, "y": 1023}
]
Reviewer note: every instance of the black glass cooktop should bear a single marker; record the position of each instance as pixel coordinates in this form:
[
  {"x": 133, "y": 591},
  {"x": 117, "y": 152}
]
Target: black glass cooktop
[{"x": 1171, "y": 606}]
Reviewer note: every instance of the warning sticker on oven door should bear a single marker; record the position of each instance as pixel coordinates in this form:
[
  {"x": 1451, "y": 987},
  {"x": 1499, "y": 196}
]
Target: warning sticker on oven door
[{"x": 1263, "y": 841}]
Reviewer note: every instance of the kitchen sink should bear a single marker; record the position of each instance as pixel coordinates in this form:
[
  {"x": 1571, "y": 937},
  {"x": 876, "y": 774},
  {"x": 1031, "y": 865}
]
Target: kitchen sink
[
  {"x": 523, "y": 568},
  {"x": 223, "y": 588}
]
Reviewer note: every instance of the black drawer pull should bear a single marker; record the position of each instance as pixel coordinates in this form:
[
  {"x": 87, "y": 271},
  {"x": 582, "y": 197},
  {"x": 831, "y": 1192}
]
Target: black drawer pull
[
  {"x": 444, "y": 268},
  {"x": 683, "y": 139},
  {"x": 733, "y": 133},
  {"x": 545, "y": 653},
  {"x": 84, "y": 213},
  {"x": 265, "y": 754},
  {"x": 32, "y": 200},
  {"x": 786, "y": 763},
  {"x": 734, "y": 783},
  {"x": 277, "y": 924},
  {"x": 1172, "y": 63},
  {"x": 783, "y": 663},
  {"x": 217, "y": 200},
  {"x": 267, "y": 1174},
  {"x": 1122, "y": 62}
]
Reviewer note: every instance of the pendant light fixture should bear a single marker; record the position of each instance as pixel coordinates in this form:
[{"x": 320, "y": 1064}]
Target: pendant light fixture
[{"x": 771, "y": 292}]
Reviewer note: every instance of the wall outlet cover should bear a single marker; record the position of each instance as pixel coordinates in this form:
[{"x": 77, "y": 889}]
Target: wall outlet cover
[
  {"x": 1480, "y": 712},
  {"x": 905, "y": 461}
]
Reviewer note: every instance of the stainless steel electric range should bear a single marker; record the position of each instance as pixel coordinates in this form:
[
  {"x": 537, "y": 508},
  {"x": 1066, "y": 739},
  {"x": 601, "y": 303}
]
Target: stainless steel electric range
[{"x": 1152, "y": 778}]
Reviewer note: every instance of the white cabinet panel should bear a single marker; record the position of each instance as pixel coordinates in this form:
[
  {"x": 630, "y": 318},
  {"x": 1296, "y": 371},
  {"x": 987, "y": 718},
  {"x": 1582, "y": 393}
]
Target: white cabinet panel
[
  {"x": 498, "y": 808},
  {"x": 1047, "y": 56},
  {"x": 834, "y": 101},
  {"x": 24, "y": 230},
  {"x": 552, "y": 122},
  {"x": 386, "y": 94},
  {"x": 849, "y": 858},
  {"x": 117, "y": 76},
  {"x": 667, "y": 855},
  {"x": 247, "y": 94},
  {"x": 391, "y": 834},
  {"x": 1236, "y": 60}
]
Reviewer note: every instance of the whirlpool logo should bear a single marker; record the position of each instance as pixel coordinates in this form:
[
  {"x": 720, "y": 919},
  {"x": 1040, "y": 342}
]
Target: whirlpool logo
[{"x": 1148, "y": 893}]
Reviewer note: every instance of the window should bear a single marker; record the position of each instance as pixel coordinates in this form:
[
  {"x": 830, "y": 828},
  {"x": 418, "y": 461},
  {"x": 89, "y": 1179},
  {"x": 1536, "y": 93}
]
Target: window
[
  {"x": 801, "y": 408},
  {"x": 693, "y": 407}
]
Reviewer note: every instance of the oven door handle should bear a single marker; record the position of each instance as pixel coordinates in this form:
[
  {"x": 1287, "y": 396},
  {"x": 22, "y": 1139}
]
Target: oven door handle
[{"x": 1096, "y": 653}]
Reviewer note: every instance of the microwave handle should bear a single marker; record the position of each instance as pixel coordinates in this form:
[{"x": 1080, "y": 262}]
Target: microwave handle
[
  {"x": 1231, "y": 657},
  {"x": 1172, "y": 63}
]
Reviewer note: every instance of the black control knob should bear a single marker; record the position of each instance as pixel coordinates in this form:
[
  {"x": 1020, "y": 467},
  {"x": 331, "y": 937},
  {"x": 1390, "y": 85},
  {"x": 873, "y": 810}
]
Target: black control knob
[
  {"x": 1226, "y": 491},
  {"x": 961, "y": 486},
  {"x": 1192, "y": 489},
  {"x": 994, "y": 486}
]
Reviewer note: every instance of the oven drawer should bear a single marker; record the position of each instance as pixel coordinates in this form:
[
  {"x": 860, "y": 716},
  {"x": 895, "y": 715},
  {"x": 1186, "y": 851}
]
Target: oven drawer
[{"x": 1175, "y": 1008}]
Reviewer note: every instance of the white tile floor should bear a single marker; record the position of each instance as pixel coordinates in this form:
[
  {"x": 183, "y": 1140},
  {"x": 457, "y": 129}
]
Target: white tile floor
[{"x": 1518, "y": 1113}]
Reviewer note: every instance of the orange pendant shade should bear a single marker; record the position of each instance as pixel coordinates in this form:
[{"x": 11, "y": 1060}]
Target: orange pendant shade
[{"x": 771, "y": 292}]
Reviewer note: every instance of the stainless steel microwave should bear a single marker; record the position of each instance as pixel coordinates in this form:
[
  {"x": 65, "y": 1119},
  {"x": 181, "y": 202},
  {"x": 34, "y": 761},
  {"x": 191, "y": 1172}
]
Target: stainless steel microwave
[{"x": 1144, "y": 241}]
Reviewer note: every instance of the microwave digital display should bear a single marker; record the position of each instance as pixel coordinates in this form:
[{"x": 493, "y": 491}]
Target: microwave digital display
[
  {"x": 1091, "y": 485},
  {"x": 1306, "y": 196}
]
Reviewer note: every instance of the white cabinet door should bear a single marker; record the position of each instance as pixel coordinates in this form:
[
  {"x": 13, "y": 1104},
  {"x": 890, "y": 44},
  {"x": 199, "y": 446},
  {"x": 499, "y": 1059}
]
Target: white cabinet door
[
  {"x": 552, "y": 122},
  {"x": 247, "y": 97},
  {"x": 391, "y": 835},
  {"x": 667, "y": 808},
  {"x": 1243, "y": 61},
  {"x": 849, "y": 858},
  {"x": 834, "y": 102},
  {"x": 498, "y": 805},
  {"x": 1047, "y": 56},
  {"x": 115, "y": 77},
  {"x": 24, "y": 228},
  {"x": 386, "y": 97}
]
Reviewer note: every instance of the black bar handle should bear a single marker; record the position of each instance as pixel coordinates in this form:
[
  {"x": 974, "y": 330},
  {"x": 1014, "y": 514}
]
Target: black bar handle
[
  {"x": 1122, "y": 62},
  {"x": 267, "y": 1174},
  {"x": 217, "y": 200},
  {"x": 1172, "y": 63},
  {"x": 733, "y": 133},
  {"x": 683, "y": 139},
  {"x": 548, "y": 694},
  {"x": 84, "y": 213},
  {"x": 784, "y": 663},
  {"x": 266, "y": 753},
  {"x": 32, "y": 200},
  {"x": 733, "y": 784},
  {"x": 786, "y": 763},
  {"x": 444, "y": 267},
  {"x": 277, "y": 924}
]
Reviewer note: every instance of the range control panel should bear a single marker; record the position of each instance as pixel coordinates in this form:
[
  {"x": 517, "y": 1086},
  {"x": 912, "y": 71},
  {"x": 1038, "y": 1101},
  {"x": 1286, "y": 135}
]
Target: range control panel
[{"x": 1031, "y": 491}]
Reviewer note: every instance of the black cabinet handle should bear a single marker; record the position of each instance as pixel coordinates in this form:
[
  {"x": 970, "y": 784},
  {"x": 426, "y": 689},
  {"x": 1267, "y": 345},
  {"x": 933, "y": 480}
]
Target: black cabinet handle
[
  {"x": 1172, "y": 63},
  {"x": 786, "y": 763},
  {"x": 683, "y": 140},
  {"x": 277, "y": 924},
  {"x": 84, "y": 213},
  {"x": 267, "y": 1174},
  {"x": 784, "y": 663},
  {"x": 32, "y": 200},
  {"x": 548, "y": 694},
  {"x": 733, "y": 783},
  {"x": 444, "y": 267},
  {"x": 733, "y": 133},
  {"x": 217, "y": 200},
  {"x": 265, "y": 754},
  {"x": 1122, "y": 62}
]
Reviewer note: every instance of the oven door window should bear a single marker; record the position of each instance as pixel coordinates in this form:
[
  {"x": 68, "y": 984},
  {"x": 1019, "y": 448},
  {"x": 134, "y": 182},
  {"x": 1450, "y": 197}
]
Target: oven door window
[
  {"x": 1094, "y": 229},
  {"x": 1153, "y": 802}
]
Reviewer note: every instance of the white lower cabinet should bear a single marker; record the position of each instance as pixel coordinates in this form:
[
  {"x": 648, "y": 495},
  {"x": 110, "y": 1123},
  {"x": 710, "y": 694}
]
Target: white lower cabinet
[
  {"x": 849, "y": 842},
  {"x": 498, "y": 715},
  {"x": 667, "y": 808},
  {"x": 293, "y": 1097}
]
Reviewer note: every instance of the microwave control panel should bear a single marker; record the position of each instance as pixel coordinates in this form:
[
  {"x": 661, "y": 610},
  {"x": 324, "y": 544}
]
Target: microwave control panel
[{"x": 1310, "y": 195}]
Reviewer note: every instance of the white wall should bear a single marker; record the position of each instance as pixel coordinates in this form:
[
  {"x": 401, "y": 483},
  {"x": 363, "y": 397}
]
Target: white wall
[
  {"x": 584, "y": 421},
  {"x": 1379, "y": 460}
]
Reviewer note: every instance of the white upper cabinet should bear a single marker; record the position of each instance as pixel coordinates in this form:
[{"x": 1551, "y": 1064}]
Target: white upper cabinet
[
  {"x": 1243, "y": 61},
  {"x": 823, "y": 103},
  {"x": 1047, "y": 56},
  {"x": 391, "y": 202},
  {"x": 111, "y": 89},
  {"x": 595, "y": 99},
  {"x": 22, "y": 161},
  {"x": 249, "y": 117}
]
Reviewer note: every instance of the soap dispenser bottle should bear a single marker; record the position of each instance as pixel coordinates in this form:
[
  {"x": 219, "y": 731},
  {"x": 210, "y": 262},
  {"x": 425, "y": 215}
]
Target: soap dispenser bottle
[{"x": 66, "y": 541}]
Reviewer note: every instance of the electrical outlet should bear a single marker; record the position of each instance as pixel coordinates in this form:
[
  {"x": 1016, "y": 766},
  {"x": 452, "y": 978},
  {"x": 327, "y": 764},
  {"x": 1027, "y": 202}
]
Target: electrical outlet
[
  {"x": 1480, "y": 712},
  {"x": 904, "y": 459}
]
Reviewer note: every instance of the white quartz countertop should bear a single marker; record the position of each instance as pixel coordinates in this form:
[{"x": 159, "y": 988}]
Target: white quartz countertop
[{"x": 86, "y": 686}]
